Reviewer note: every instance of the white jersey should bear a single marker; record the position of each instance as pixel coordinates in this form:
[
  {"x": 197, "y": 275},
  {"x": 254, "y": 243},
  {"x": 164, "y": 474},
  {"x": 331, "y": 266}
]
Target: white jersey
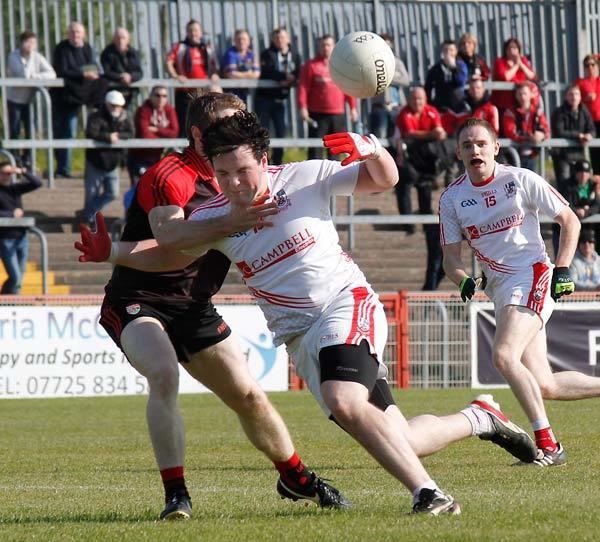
[
  {"x": 499, "y": 219},
  {"x": 295, "y": 268}
]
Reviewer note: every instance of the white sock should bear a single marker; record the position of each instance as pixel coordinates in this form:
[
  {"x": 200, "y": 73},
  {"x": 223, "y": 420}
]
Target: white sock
[
  {"x": 542, "y": 423},
  {"x": 430, "y": 484},
  {"x": 479, "y": 419}
]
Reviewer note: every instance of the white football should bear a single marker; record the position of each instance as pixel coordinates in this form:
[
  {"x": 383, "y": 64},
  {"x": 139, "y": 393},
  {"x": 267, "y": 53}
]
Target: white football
[{"x": 362, "y": 64}]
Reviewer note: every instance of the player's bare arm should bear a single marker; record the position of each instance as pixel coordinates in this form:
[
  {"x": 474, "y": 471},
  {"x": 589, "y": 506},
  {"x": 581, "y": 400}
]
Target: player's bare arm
[
  {"x": 569, "y": 233},
  {"x": 453, "y": 264},
  {"x": 172, "y": 230}
]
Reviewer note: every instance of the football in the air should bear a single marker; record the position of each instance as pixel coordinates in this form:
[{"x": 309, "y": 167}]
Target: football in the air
[{"x": 362, "y": 64}]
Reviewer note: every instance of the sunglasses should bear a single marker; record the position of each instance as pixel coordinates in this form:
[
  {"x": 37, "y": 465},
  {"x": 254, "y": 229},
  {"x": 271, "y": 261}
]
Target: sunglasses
[{"x": 160, "y": 95}]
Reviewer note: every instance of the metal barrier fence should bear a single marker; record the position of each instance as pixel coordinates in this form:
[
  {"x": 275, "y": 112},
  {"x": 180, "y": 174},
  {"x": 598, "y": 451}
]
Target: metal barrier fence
[{"x": 439, "y": 337}]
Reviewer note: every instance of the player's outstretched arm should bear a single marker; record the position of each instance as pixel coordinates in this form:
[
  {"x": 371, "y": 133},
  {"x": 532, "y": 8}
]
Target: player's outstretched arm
[
  {"x": 146, "y": 255},
  {"x": 172, "y": 230},
  {"x": 377, "y": 173}
]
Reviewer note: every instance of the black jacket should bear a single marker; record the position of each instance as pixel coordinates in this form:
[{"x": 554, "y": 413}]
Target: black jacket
[
  {"x": 578, "y": 201},
  {"x": 10, "y": 199},
  {"x": 116, "y": 63},
  {"x": 100, "y": 125},
  {"x": 569, "y": 124},
  {"x": 70, "y": 63},
  {"x": 273, "y": 67}
]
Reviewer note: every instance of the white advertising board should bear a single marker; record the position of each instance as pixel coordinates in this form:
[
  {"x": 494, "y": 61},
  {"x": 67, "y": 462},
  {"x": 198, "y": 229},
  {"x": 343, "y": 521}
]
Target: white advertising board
[{"x": 57, "y": 351}]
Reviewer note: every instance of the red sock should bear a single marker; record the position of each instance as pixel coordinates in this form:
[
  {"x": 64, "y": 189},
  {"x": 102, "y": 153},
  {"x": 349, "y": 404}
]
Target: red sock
[
  {"x": 544, "y": 439},
  {"x": 293, "y": 470},
  {"x": 174, "y": 482}
]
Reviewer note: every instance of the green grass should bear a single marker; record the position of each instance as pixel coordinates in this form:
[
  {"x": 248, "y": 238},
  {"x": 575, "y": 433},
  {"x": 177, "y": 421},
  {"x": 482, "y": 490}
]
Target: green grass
[{"x": 82, "y": 469}]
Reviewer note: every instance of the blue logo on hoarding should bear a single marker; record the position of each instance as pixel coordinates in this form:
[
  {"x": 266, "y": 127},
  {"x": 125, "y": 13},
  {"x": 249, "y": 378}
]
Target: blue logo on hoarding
[{"x": 268, "y": 354}]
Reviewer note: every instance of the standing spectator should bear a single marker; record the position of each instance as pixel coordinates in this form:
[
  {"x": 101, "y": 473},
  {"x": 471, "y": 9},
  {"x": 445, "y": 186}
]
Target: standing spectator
[
  {"x": 320, "y": 101},
  {"x": 281, "y": 63},
  {"x": 446, "y": 80},
  {"x": 477, "y": 104},
  {"x": 13, "y": 241},
  {"x": 427, "y": 154},
  {"x": 573, "y": 121},
  {"x": 239, "y": 62},
  {"x": 109, "y": 125},
  {"x": 121, "y": 64},
  {"x": 25, "y": 62},
  {"x": 525, "y": 124},
  {"x": 155, "y": 118},
  {"x": 585, "y": 267},
  {"x": 192, "y": 58},
  {"x": 385, "y": 107},
  {"x": 76, "y": 62},
  {"x": 511, "y": 66},
  {"x": 589, "y": 85},
  {"x": 467, "y": 52}
]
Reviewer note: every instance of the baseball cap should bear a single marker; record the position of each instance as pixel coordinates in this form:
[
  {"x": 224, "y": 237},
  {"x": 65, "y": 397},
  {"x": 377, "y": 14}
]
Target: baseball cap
[
  {"x": 582, "y": 165},
  {"x": 114, "y": 97},
  {"x": 587, "y": 235}
]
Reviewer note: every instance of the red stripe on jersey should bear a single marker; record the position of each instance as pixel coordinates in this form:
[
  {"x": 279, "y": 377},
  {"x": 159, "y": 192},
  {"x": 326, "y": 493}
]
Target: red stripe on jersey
[
  {"x": 213, "y": 203},
  {"x": 284, "y": 301},
  {"x": 493, "y": 264},
  {"x": 539, "y": 287},
  {"x": 160, "y": 182},
  {"x": 558, "y": 195}
]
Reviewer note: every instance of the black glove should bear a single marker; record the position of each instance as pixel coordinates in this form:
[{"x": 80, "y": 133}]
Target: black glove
[
  {"x": 562, "y": 283},
  {"x": 483, "y": 283},
  {"x": 467, "y": 288}
]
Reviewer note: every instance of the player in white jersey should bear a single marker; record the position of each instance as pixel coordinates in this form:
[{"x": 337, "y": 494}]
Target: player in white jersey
[{"x": 495, "y": 208}]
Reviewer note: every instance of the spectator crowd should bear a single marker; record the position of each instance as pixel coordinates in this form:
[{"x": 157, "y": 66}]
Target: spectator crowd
[{"x": 419, "y": 120}]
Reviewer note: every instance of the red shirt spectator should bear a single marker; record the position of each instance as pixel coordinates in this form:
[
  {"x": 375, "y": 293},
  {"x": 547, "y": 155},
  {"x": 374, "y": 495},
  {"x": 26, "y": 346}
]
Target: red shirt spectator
[
  {"x": 316, "y": 90},
  {"x": 512, "y": 66},
  {"x": 590, "y": 86},
  {"x": 155, "y": 119},
  {"x": 409, "y": 121}
]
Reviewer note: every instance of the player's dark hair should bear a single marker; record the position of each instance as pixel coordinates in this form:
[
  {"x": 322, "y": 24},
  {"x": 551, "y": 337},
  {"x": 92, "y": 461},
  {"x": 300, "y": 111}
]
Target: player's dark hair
[
  {"x": 472, "y": 122},
  {"x": 26, "y": 35},
  {"x": 204, "y": 109},
  {"x": 508, "y": 43},
  {"x": 239, "y": 130},
  {"x": 448, "y": 42}
]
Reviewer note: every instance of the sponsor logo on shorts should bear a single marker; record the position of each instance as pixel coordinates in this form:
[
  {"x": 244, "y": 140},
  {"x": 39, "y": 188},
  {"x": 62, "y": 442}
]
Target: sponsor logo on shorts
[
  {"x": 329, "y": 337},
  {"x": 468, "y": 203},
  {"x": 238, "y": 234},
  {"x": 510, "y": 189},
  {"x": 133, "y": 309},
  {"x": 341, "y": 369},
  {"x": 538, "y": 295},
  {"x": 221, "y": 328},
  {"x": 363, "y": 325}
]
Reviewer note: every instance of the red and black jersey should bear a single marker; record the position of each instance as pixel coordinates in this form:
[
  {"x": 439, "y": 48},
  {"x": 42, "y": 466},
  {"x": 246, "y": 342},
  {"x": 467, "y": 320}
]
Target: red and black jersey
[{"x": 182, "y": 179}]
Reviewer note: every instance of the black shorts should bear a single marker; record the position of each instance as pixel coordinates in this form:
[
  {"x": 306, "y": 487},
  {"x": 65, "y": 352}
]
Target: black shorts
[{"x": 191, "y": 325}]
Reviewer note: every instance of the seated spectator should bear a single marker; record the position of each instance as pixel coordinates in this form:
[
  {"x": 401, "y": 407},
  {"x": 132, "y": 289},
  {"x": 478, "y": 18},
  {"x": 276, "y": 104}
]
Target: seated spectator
[
  {"x": 191, "y": 58},
  {"x": 321, "y": 102},
  {"x": 446, "y": 80},
  {"x": 428, "y": 153},
  {"x": 385, "y": 107},
  {"x": 582, "y": 193},
  {"x": 109, "y": 124},
  {"x": 156, "y": 118},
  {"x": 280, "y": 63},
  {"x": 14, "y": 243},
  {"x": 477, "y": 104},
  {"x": 467, "y": 52},
  {"x": 239, "y": 62},
  {"x": 76, "y": 62},
  {"x": 572, "y": 121},
  {"x": 585, "y": 267},
  {"x": 121, "y": 64},
  {"x": 525, "y": 124},
  {"x": 511, "y": 66},
  {"x": 589, "y": 85},
  {"x": 25, "y": 62}
]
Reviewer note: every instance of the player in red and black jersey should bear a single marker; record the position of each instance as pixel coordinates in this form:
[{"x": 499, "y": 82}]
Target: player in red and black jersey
[{"x": 160, "y": 319}]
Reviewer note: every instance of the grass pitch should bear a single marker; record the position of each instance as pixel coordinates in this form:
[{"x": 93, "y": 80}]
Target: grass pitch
[{"x": 82, "y": 469}]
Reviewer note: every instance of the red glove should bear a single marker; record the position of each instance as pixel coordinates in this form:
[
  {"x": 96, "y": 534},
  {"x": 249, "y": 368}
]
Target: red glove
[
  {"x": 95, "y": 246},
  {"x": 356, "y": 146}
]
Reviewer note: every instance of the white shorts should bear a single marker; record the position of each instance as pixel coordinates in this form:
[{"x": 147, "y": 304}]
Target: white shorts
[
  {"x": 529, "y": 288},
  {"x": 356, "y": 315}
]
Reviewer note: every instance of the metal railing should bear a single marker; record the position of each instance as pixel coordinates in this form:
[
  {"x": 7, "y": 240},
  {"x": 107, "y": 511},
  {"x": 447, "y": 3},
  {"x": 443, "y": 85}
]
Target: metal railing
[{"x": 29, "y": 223}]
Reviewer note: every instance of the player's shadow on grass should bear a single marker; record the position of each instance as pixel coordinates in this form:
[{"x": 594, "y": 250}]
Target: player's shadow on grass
[{"x": 83, "y": 517}]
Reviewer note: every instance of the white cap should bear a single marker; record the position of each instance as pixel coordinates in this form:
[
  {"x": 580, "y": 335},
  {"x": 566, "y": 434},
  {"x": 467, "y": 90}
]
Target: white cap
[{"x": 114, "y": 97}]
